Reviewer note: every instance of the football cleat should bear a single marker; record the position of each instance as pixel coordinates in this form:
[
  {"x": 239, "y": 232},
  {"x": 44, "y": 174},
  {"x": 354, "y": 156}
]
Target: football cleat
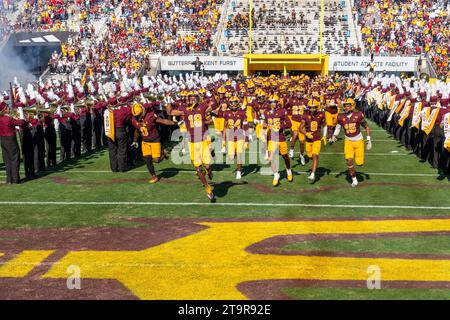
[
  {"x": 302, "y": 160},
  {"x": 183, "y": 151},
  {"x": 223, "y": 150},
  {"x": 238, "y": 175},
  {"x": 209, "y": 193},
  {"x": 291, "y": 153},
  {"x": 276, "y": 179},
  {"x": 354, "y": 182},
  {"x": 312, "y": 177},
  {"x": 153, "y": 180},
  {"x": 290, "y": 176}
]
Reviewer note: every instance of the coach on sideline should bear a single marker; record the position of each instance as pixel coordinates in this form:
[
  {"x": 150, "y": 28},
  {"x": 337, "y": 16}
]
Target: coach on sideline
[{"x": 10, "y": 147}]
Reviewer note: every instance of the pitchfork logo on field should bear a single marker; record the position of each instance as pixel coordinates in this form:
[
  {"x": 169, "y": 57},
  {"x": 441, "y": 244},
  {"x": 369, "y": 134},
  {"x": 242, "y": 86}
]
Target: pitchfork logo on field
[{"x": 223, "y": 258}]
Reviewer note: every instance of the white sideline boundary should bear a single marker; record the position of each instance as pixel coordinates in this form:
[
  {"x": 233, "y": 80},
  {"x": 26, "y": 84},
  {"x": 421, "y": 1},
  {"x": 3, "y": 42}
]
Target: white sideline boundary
[
  {"x": 232, "y": 172},
  {"x": 223, "y": 204}
]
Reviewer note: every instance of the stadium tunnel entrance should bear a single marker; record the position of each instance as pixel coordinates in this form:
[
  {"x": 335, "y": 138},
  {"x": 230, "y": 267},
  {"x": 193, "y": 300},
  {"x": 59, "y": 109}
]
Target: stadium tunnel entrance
[{"x": 310, "y": 64}]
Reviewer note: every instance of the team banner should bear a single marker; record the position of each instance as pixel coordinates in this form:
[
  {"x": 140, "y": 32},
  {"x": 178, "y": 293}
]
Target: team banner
[
  {"x": 361, "y": 63},
  {"x": 108, "y": 117},
  {"x": 447, "y": 131},
  {"x": 428, "y": 119},
  {"x": 416, "y": 115},
  {"x": 405, "y": 113},
  {"x": 210, "y": 63}
]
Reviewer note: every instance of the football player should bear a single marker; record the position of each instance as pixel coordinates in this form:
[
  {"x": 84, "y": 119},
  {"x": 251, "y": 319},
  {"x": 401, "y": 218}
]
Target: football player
[
  {"x": 220, "y": 106},
  {"x": 236, "y": 126},
  {"x": 297, "y": 105},
  {"x": 332, "y": 101},
  {"x": 276, "y": 120},
  {"x": 260, "y": 106},
  {"x": 312, "y": 125},
  {"x": 352, "y": 120},
  {"x": 197, "y": 117},
  {"x": 146, "y": 122}
]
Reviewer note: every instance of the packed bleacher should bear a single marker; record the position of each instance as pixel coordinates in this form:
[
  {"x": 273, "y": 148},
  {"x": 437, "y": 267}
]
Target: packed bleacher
[
  {"x": 140, "y": 28},
  {"x": 54, "y": 15},
  {"x": 290, "y": 27},
  {"x": 407, "y": 28},
  {"x": 6, "y": 8}
]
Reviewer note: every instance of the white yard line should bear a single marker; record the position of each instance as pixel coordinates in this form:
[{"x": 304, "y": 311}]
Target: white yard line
[
  {"x": 232, "y": 172},
  {"x": 223, "y": 204}
]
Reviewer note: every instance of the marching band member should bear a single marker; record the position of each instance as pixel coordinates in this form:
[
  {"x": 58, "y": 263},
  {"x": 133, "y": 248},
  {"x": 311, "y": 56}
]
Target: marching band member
[{"x": 8, "y": 141}]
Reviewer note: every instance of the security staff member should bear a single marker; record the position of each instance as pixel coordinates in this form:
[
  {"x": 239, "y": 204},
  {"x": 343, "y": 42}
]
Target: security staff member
[{"x": 10, "y": 147}]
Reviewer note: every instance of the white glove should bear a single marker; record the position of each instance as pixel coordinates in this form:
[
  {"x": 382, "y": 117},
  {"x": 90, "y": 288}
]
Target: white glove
[
  {"x": 368, "y": 143},
  {"x": 180, "y": 123},
  {"x": 250, "y": 138},
  {"x": 333, "y": 138},
  {"x": 255, "y": 121},
  {"x": 135, "y": 145}
]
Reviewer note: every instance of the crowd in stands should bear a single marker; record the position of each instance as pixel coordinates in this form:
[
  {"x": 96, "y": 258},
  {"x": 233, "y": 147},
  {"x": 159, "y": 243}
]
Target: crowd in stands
[
  {"x": 6, "y": 6},
  {"x": 261, "y": 17},
  {"x": 43, "y": 15},
  {"x": 168, "y": 27},
  {"x": 410, "y": 27}
]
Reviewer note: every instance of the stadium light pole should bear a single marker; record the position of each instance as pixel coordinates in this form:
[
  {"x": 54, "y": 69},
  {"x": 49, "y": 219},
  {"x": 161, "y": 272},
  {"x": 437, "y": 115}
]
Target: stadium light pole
[
  {"x": 322, "y": 14},
  {"x": 250, "y": 24}
]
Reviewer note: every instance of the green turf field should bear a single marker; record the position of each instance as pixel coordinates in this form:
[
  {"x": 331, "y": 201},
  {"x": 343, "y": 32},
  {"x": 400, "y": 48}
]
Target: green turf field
[
  {"x": 393, "y": 183},
  {"x": 84, "y": 192}
]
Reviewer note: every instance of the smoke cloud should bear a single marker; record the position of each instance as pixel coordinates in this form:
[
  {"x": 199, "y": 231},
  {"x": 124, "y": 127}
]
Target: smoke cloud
[{"x": 12, "y": 65}]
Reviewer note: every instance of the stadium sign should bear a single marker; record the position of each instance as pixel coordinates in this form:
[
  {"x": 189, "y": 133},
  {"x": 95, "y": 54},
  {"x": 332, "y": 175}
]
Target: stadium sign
[
  {"x": 210, "y": 63},
  {"x": 356, "y": 63}
]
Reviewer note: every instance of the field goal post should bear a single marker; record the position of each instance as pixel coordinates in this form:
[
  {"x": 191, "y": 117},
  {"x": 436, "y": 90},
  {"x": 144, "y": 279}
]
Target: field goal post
[{"x": 284, "y": 62}]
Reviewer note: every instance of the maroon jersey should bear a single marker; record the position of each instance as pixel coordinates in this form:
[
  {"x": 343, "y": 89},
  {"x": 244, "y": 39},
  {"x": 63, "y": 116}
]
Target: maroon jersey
[
  {"x": 121, "y": 116},
  {"x": 277, "y": 121},
  {"x": 223, "y": 107},
  {"x": 314, "y": 124},
  {"x": 351, "y": 123},
  {"x": 259, "y": 108},
  {"x": 332, "y": 103},
  {"x": 48, "y": 120},
  {"x": 8, "y": 126},
  {"x": 147, "y": 127},
  {"x": 250, "y": 98},
  {"x": 235, "y": 124},
  {"x": 195, "y": 118},
  {"x": 213, "y": 102},
  {"x": 296, "y": 108}
]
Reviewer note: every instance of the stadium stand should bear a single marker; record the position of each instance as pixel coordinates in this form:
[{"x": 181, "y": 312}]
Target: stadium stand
[
  {"x": 291, "y": 27},
  {"x": 407, "y": 27}
]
